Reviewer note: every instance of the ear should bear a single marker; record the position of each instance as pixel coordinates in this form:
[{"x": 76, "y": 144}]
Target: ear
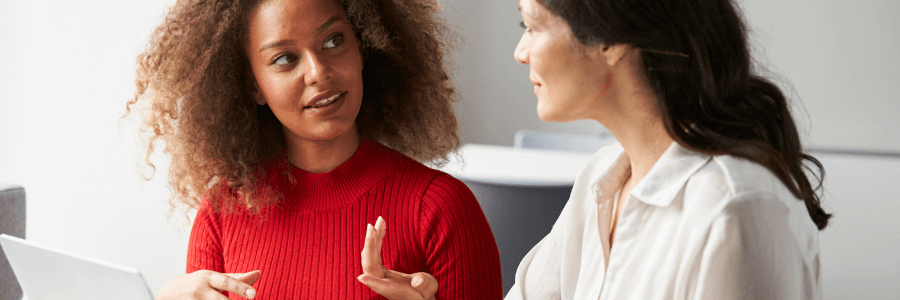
[
  {"x": 259, "y": 98},
  {"x": 613, "y": 54},
  {"x": 257, "y": 95},
  {"x": 362, "y": 57}
]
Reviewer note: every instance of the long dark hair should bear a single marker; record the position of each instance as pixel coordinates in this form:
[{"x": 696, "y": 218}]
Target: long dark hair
[{"x": 698, "y": 61}]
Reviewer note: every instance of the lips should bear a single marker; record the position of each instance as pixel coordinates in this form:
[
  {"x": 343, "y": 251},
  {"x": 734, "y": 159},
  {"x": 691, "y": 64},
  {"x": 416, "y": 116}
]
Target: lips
[
  {"x": 536, "y": 84},
  {"x": 324, "y": 99},
  {"x": 534, "y": 81}
]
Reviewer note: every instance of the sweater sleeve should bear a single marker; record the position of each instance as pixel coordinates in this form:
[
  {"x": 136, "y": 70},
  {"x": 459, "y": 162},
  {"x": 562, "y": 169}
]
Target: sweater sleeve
[
  {"x": 205, "y": 245},
  {"x": 460, "y": 249}
]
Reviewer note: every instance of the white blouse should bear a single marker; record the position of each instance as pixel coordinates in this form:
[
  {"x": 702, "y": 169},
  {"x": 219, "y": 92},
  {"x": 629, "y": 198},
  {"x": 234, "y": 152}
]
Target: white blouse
[{"x": 696, "y": 227}]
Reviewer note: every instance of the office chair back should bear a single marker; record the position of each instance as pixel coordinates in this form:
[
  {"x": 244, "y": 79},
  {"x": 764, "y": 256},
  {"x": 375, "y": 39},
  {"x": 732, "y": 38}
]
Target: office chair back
[
  {"x": 12, "y": 222},
  {"x": 561, "y": 141}
]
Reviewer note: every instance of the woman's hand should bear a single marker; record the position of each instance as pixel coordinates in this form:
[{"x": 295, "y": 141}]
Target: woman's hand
[
  {"x": 206, "y": 284},
  {"x": 391, "y": 284}
]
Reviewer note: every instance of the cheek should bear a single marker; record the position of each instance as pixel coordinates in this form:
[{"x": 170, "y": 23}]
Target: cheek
[
  {"x": 269, "y": 88},
  {"x": 352, "y": 69},
  {"x": 549, "y": 60},
  {"x": 537, "y": 56},
  {"x": 282, "y": 95}
]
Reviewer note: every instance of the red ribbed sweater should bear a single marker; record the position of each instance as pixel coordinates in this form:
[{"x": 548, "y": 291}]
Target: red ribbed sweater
[{"x": 308, "y": 246}]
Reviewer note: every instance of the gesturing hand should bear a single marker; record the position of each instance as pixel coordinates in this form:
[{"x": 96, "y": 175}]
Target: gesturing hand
[
  {"x": 206, "y": 284},
  {"x": 391, "y": 284}
]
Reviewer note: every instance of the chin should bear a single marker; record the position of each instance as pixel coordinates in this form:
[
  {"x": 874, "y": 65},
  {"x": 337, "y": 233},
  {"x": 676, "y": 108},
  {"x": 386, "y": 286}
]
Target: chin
[
  {"x": 322, "y": 132},
  {"x": 336, "y": 132},
  {"x": 548, "y": 116},
  {"x": 557, "y": 115}
]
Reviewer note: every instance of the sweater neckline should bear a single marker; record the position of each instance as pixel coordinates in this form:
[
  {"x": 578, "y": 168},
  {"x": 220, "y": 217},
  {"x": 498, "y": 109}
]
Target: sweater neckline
[{"x": 339, "y": 187}]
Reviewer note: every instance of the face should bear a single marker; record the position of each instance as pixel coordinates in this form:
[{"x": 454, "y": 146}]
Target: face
[
  {"x": 568, "y": 78},
  {"x": 308, "y": 68}
]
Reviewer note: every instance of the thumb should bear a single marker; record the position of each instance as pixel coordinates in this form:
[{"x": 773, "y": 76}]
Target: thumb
[
  {"x": 248, "y": 278},
  {"x": 425, "y": 284}
]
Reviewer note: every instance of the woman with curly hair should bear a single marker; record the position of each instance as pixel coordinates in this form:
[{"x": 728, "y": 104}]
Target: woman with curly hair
[
  {"x": 707, "y": 195},
  {"x": 292, "y": 124}
]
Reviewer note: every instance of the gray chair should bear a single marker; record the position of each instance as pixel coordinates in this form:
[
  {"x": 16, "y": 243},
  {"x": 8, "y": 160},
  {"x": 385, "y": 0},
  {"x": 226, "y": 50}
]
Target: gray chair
[
  {"x": 12, "y": 222},
  {"x": 521, "y": 215}
]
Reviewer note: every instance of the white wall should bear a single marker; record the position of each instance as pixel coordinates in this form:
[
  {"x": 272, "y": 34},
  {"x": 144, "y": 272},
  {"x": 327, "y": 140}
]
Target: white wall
[
  {"x": 858, "y": 250},
  {"x": 66, "y": 70},
  {"x": 843, "y": 60}
]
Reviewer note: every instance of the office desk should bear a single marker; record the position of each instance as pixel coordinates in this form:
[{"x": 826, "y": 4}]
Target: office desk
[{"x": 516, "y": 167}]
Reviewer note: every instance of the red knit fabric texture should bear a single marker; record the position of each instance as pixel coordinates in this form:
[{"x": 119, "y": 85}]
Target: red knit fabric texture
[{"x": 308, "y": 246}]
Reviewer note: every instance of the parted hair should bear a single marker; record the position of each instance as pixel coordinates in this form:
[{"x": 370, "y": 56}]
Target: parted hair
[
  {"x": 696, "y": 57},
  {"x": 195, "y": 87}
]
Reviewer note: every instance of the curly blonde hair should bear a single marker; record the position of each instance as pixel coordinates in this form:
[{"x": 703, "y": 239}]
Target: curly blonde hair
[{"x": 196, "y": 84}]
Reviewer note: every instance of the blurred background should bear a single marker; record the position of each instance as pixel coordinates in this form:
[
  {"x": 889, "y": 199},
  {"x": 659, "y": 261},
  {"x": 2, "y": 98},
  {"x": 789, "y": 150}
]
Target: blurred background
[{"x": 67, "y": 69}]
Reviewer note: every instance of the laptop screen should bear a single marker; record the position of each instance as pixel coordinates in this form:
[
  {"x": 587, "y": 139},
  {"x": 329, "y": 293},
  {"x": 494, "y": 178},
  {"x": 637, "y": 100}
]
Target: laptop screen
[{"x": 45, "y": 273}]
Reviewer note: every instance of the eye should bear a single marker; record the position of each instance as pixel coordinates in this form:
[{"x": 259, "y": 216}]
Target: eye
[
  {"x": 335, "y": 41},
  {"x": 284, "y": 59},
  {"x": 522, "y": 24}
]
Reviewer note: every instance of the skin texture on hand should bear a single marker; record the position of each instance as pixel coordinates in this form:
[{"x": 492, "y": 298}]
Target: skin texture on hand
[
  {"x": 391, "y": 284},
  {"x": 205, "y": 284}
]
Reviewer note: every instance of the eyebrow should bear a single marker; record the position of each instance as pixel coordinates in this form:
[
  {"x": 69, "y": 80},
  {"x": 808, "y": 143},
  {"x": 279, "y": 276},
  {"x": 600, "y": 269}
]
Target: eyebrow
[
  {"x": 319, "y": 31},
  {"x": 276, "y": 44},
  {"x": 326, "y": 24}
]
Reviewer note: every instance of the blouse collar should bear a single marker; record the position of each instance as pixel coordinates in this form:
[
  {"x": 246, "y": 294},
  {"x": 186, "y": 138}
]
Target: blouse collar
[{"x": 661, "y": 185}]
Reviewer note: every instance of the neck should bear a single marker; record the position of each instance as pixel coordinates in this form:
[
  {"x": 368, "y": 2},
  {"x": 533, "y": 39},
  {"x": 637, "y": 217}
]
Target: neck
[
  {"x": 635, "y": 122},
  {"x": 320, "y": 156},
  {"x": 644, "y": 144}
]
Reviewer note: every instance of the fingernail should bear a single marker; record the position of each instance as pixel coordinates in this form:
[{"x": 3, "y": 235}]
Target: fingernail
[
  {"x": 251, "y": 293},
  {"x": 360, "y": 278},
  {"x": 417, "y": 281}
]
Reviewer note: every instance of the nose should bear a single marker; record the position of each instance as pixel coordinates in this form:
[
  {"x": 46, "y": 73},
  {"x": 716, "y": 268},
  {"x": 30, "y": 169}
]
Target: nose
[
  {"x": 318, "y": 69},
  {"x": 521, "y": 53}
]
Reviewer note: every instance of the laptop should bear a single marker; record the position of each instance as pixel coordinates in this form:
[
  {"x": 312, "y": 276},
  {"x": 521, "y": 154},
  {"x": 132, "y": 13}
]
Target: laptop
[{"x": 45, "y": 273}]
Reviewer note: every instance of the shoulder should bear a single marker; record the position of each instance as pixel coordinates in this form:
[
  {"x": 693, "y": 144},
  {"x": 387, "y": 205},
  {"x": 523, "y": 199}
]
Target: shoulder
[
  {"x": 402, "y": 163},
  {"x": 446, "y": 187},
  {"x": 748, "y": 177},
  {"x": 415, "y": 174},
  {"x": 727, "y": 178},
  {"x": 747, "y": 195},
  {"x": 440, "y": 191},
  {"x": 432, "y": 185}
]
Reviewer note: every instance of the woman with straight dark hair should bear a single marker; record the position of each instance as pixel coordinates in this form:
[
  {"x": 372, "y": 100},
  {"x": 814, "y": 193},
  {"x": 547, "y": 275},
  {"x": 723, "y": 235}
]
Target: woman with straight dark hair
[{"x": 707, "y": 195}]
